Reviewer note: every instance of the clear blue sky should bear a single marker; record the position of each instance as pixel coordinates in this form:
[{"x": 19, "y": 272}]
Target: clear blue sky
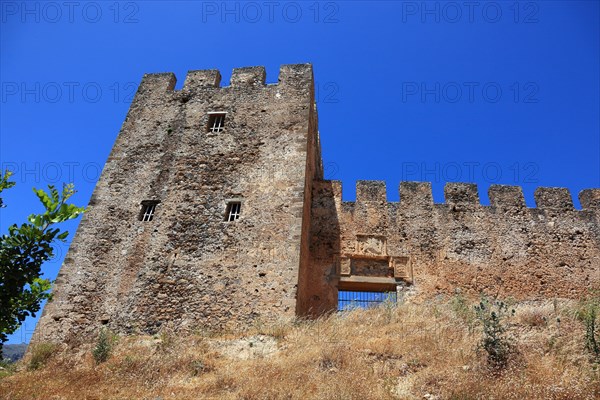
[{"x": 491, "y": 92}]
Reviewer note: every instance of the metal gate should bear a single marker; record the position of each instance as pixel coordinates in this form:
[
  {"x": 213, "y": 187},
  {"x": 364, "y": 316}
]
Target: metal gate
[{"x": 348, "y": 300}]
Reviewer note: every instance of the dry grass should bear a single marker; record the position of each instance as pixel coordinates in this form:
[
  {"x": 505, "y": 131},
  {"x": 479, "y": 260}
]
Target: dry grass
[{"x": 405, "y": 352}]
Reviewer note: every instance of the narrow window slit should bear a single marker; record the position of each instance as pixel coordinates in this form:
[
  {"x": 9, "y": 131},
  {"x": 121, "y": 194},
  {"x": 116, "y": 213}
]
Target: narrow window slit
[
  {"x": 233, "y": 211},
  {"x": 147, "y": 210}
]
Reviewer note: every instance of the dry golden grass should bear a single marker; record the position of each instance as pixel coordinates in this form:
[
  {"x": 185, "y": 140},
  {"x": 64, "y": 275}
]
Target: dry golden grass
[{"x": 412, "y": 351}]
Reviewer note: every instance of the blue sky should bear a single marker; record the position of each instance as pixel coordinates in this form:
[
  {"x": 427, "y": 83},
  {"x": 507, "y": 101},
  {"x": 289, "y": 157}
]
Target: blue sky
[{"x": 486, "y": 92}]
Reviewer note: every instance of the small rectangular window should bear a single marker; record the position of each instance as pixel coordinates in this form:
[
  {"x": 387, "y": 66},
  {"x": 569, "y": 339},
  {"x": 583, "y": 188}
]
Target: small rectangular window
[
  {"x": 216, "y": 122},
  {"x": 233, "y": 211},
  {"x": 147, "y": 211}
]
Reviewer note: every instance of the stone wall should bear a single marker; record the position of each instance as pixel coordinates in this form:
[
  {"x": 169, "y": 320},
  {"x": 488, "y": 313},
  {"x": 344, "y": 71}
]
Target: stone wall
[
  {"x": 188, "y": 267},
  {"x": 505, "y": 248},
  {"x": 297, "y": 242}
]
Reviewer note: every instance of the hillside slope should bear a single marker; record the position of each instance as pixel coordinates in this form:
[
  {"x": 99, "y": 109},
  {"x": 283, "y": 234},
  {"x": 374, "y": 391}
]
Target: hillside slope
[
  {"x": 13, "y": 352},
  {"x": 429, "y": 350}
]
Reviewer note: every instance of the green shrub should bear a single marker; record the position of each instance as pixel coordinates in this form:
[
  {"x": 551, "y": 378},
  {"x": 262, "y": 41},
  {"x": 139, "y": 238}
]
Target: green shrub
[
  {"x": 7, "y": 368},
  {"x": 495, "y": 341},
  {"x": 461, "y": 308},
  {"x": 588, "y": 314},
  {"x": 103, "y": 347},
  {"x": 199, "y": 367},
  {"x": 40, "y": 354}
]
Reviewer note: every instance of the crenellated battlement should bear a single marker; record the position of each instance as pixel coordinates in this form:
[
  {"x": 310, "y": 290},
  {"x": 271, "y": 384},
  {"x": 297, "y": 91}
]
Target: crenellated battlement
[
  {"x": 209, "y": 78},
  {"x": 553, "y": 198},
  {"x": 590, "y": 199},
  {"x": 370, "y": 191},
  {"x": 156, "y": 85},
  {"x": 504, "y": 248},
  {"x": 290, "y": 75},
  {"x": 248, "y": 76},
  {"x": 463, "y": 196},
  {"x": 503, "y": 196}
]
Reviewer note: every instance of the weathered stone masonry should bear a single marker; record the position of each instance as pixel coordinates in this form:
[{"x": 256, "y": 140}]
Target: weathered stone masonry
[
  {"x": 188, "y": 266},
  {"x": 505, "y": 248},
  {"x": 296, "y": 242}
]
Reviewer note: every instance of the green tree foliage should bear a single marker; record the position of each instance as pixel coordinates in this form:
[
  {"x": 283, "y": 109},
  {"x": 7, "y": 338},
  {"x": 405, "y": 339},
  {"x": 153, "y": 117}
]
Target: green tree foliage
[
  {"x": 22, "y": 252},
  {"x": 5, "y": 184}
]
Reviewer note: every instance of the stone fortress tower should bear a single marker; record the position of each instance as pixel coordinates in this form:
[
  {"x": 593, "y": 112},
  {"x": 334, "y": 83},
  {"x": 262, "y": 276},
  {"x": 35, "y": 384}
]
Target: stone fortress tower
[{"x": 212, "y": 212}]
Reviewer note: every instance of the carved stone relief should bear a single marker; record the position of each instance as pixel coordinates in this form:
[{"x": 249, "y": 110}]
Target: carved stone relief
[
  {"x": 345, "y": 266},
  {"x": 371, "y": 245}
]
